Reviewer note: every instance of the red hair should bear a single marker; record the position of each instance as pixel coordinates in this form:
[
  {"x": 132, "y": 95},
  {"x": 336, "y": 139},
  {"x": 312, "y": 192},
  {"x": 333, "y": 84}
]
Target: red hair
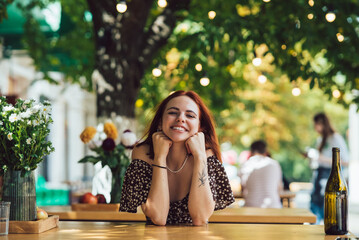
[{"x": 206, "y": 122}]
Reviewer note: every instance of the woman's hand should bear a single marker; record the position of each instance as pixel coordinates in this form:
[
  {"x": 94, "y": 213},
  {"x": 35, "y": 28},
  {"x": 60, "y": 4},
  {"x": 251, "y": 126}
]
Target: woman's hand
[
  {"x": 161, "y": 145},
  {"x": 196, "y": 145}
]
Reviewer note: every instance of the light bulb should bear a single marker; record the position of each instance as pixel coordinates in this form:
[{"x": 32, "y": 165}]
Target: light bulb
[
  {"x": 310, "y": 16},
  {"x": 162, "y": 3},
  {"x": 336, "y": 93},
  {"x": 121, "y": 7},
  {"x": 262, "y": 79},
  {"x": 156, "y": 72},
  {"x": 296, "y": 91},
  {"x": 266, "y": 0},
  {"x": 204, "y": 81},
  {"x": 211, "y": 14},
  {"x": 330, "y": 16},
  {"x": 257, "y": 61},
  {"x": 311, "y": 3},
  {"x": 198, "y": 67},
  {"x": 340, "y": 37}
]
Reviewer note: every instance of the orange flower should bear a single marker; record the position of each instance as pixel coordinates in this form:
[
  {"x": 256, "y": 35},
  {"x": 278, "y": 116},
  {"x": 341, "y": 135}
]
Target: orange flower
[
  {"x": 110, "y": 130},
  {"x": 87, "y": 134}
]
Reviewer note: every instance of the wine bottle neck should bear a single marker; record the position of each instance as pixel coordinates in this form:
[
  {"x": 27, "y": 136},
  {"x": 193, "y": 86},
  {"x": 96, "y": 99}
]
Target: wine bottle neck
[{"x": 336, "y": 160}]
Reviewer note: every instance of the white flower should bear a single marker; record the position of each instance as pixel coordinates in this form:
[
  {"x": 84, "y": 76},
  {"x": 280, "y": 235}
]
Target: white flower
[
  {"x": 8, "y": 108},
  {"x": 27, "y": 101},
  {"x": 28, "y": 141},
  {"x": 26, "y": 114},
  {"x": 1, "y": 123},
  {"x": 29, "y": 123},
  {"x": 46, "y": 110},
  {"x": 35, "y": 108},
  {"x": 14, "y": 117},
  {"x": 35, "y": 122},
  {"x": 128, "y": 138},
  {"x": 9, "y": 136}
]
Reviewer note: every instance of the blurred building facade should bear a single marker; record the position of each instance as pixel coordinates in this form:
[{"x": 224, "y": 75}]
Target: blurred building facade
[{"x": 72, "y": 110}]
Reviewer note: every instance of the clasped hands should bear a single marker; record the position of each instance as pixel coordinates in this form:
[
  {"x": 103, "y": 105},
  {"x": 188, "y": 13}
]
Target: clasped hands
[{"x": 195, "y": 144}]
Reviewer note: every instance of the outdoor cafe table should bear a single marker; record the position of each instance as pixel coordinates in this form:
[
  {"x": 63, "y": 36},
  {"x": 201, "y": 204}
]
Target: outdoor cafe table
[
  {"x": 228, "y": 215},
  {"x": 138, "y": 230},
  {"x": 286, "y": 197}
]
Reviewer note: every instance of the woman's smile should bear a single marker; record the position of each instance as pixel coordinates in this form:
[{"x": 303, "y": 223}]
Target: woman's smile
[{"x": 179, "y": 128}]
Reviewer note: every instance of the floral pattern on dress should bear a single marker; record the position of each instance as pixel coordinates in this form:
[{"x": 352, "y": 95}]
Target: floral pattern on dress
[{"x": 137, "y": 183}]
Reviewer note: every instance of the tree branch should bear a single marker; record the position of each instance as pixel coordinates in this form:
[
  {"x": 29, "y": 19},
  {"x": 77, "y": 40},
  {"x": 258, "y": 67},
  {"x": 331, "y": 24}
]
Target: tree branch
[{"x": 160, "y": 30}]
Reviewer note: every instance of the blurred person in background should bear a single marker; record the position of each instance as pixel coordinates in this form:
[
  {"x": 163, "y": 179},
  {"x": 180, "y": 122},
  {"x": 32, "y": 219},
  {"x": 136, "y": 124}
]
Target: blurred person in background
[
  {"x": 321, "y": 162},
  {"x": 261, "y": 178}
]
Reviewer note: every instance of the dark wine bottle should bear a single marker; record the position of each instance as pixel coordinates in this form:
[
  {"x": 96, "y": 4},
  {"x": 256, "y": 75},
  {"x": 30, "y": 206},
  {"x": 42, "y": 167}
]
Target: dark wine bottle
[{"x": 336, "y": 199}]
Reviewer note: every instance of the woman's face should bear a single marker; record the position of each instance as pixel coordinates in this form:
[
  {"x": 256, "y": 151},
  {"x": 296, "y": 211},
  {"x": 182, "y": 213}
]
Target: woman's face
[
  {"x": 318, "y": 127},
  {"x": 180, "y": 119}
]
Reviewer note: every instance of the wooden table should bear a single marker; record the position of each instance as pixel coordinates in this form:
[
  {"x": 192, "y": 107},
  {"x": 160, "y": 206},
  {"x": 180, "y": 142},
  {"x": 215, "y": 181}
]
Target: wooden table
[
  {"x": 228, "y": 215},
  {"x": 69, "y": 230}
]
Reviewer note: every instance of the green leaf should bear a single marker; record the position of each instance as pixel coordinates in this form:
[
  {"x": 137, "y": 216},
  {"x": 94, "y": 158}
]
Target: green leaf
[{"x": 89, "y": 159}]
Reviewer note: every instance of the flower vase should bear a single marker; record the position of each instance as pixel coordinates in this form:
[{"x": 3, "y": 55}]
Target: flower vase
[
  {"x": 116, "y": 185},
  {"x": 21, "y": 192},
  {"x": 118, "y": 175}
]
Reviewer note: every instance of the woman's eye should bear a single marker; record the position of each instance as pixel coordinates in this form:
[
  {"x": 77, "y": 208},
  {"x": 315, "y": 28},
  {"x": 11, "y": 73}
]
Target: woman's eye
[
  {"x": 190, "y": 116},
  {"x": 172, "y": 113}
]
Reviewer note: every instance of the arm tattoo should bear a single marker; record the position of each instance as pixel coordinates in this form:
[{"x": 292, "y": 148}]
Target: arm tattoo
[{"x": 202, "y": 176}]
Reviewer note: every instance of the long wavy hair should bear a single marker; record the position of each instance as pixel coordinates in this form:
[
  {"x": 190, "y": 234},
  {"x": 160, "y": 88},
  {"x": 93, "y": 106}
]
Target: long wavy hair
[
  {"x": 328, "y": 130},
  {"x": 207, "y": 125}
]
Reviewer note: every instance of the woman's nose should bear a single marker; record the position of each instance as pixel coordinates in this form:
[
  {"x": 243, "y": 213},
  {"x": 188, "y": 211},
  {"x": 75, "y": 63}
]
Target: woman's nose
[{"x": 180, "y": 118}]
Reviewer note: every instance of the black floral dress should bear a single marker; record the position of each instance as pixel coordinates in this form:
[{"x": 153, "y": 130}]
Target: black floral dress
[{"x": 137, "y": 183}]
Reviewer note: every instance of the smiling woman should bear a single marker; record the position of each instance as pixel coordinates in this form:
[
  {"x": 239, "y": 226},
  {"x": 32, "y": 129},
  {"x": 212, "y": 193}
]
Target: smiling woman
[{"x": 176, "y": 175}]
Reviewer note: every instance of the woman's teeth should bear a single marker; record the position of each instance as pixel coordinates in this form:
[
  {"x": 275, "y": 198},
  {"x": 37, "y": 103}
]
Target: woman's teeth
[{"x": 178, "y": 128}]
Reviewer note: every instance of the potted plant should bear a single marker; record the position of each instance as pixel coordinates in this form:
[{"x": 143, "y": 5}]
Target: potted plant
[
  {"x": 111, "y": 151},
  {"x": 24, "y": 128}
]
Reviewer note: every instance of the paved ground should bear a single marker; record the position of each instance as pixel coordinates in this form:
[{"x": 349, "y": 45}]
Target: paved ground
[{"x": 302, "y": 200}]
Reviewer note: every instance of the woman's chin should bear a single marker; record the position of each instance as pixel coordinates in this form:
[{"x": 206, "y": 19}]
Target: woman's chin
[{"x": 176, "y": 139}]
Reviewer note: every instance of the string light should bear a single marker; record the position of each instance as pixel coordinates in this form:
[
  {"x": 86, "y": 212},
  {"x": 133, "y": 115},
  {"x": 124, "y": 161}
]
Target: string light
[
  {"x": 266, "y": 0},
  {"x": 340, "y": 37},
  {"x": 284, "y": 47},
  {"x": 262, "y": 79},
  {"x": 257, "y": 61},
  {"x": 162, "y": 3},
  {"x": 336, "y": 93},
  {"x": 310, "y": 16},
  {"x": 121, "y": 7},
  {"x": 139, "y": 103},
  {"x": 211, "y": 15},
  {"x": 198, "y": 67},
  {"x": 156, "y": 72},
  {"x": 311, "y": 3},
  {"x": 330, "y": 16},
  {"x": 296, "y": 91},
  {"x": 204, "y": 81}
]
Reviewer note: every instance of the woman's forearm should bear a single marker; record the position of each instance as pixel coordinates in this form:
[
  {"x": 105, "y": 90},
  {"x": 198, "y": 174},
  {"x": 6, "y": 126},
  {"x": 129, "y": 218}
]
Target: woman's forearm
[
  {"x": 200, "y": 202},
  {"x": 158, "y": 201}
]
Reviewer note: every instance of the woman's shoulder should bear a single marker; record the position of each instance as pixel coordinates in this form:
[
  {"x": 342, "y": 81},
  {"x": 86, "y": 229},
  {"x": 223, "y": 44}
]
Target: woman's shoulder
[
  {"x": 209, "y": 153},
  {"x": 141, "y": 152},
  {"x": 212, "y": 159}
]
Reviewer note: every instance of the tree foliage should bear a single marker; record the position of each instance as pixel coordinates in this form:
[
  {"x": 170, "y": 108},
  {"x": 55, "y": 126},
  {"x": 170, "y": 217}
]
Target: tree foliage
[{"x": 297, "y": 45}]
